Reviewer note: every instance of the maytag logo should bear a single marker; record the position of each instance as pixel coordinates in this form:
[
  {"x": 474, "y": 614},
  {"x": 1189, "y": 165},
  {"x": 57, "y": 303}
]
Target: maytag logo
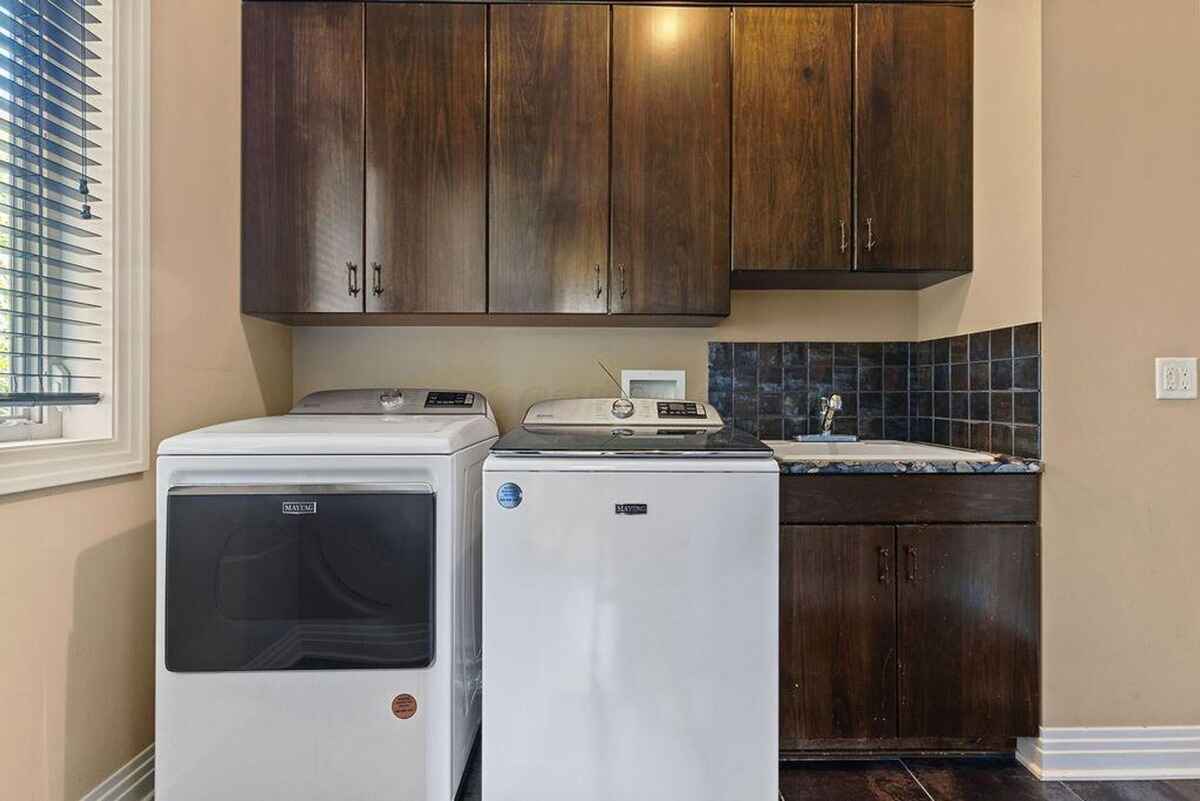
[
  {"x": 631, "y": 508},
  {"x": 299, "y": 507}
]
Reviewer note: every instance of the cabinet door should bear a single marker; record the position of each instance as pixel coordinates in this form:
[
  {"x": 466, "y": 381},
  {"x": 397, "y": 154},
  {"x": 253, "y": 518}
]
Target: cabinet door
[
  {"x": 914, "y": 85},
  {"x": 837, "y": 627},
  {"x": 302, "y": 157},
  {"x": 969, "y": 601},
  {"x": 792, "y": 78},
  {"x": 426, "y": 158},
  {"x": 670, "y": 160},
  {"x": 548, "y": 204}
]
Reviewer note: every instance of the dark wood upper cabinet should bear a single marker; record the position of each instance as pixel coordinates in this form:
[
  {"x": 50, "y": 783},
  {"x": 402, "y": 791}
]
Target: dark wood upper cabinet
[
  {"x": 671, "y": 99},
  {"x": 426, "y": 158},
  {"x": 969, "y": 601},
  {"x": 837, "y": 633},
  {"x": 792, "y": 95},
  {"x": 548, "y": 204},
  {"x": 302, "y": 157},
  {"x": 914, "y": 137},
  {"x": 424, "y": 161}
]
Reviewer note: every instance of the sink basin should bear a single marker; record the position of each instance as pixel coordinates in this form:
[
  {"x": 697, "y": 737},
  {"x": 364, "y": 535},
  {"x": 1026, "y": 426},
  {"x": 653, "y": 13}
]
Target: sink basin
[{"x": 871, "y": 451}]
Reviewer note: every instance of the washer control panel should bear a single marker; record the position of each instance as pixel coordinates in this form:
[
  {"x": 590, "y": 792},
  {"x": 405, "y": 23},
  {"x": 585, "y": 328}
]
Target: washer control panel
[
  {"x": 449, "y": 400},
  {"x": 682, "y": 410},
  {"x": 623, "y": 412}
]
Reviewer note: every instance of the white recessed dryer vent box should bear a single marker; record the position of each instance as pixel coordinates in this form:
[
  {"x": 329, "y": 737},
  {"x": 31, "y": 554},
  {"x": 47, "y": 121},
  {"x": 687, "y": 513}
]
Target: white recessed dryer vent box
[{"x": 656, "y": 384}]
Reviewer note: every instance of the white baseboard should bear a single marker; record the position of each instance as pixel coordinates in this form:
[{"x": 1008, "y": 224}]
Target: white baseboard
[
  {"x": 1120, "y": 753},
  {"x": 133, "y": 781}
]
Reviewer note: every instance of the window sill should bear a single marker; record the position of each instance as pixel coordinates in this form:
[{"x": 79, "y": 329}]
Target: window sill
[
  {"x": 41, "y": 464},
  {"x": 26, "y": 444}
]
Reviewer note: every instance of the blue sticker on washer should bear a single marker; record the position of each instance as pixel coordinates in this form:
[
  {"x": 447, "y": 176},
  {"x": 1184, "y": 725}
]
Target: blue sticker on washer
[{"x": 509, "y": 495}]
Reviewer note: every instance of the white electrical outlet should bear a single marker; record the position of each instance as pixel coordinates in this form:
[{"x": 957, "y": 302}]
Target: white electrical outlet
[{"x": 1175, "y": 378}]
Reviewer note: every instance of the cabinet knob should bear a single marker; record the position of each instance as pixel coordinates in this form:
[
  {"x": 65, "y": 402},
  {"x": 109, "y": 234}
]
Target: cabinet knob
[
  {"x": 910, "y": 560},
  {"x": 884, "y": 565},
  {"x": 624, "y": 289},
  {"x": 599, "y": 288},
  {"x": 871, "y": 240},
  {"x": 352, "y": 279},
  {"x": 845, "y": 241}
]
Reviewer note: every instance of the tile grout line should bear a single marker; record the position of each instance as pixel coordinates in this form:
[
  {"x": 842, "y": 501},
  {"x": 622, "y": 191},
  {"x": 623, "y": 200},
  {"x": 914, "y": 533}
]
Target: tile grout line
[
  {"x": 1070, "y": 790},
  {"x": 918, "y": 781}
]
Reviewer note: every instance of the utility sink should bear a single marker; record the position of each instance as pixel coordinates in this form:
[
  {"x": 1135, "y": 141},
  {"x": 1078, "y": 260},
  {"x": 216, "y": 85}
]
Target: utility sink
[{"x": 871, "y": 451}]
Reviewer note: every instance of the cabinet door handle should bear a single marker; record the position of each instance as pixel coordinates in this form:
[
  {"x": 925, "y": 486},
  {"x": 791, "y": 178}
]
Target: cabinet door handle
[
  {"x": 871, "y": 240},
  {"x": 352, "y": 279},
  {"x": 845, "y": 242},
  {"x": 376, "y": 278},
  {"x": 624, "y": 289},
  {"x": 884, "y": 565},
  {"x": 910, "y": 562},
  {"x": 599, "y": 288}
]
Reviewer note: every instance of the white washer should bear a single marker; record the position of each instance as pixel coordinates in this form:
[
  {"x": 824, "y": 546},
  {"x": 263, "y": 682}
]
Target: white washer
[
  {"x": 630, "y": 607},
  {"x": 318, "y": 624}
]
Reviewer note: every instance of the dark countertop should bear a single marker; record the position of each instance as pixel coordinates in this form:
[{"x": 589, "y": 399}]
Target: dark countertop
[{"x": 1001, "y": 465}]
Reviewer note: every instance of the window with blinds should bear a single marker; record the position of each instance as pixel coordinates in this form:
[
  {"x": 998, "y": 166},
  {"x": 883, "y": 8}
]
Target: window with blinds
[{"x": 55, "y": 240}]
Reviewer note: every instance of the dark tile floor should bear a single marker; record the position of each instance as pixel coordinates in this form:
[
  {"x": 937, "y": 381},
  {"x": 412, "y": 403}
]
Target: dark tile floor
[{"x": 935, "y": 779}]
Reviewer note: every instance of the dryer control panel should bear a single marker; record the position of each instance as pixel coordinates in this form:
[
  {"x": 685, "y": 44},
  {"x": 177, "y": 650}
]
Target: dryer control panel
[{"x": 393, "y": 401}]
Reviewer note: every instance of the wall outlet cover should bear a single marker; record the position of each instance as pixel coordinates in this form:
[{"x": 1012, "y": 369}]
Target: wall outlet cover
[{"x": 1175, "y": 378}]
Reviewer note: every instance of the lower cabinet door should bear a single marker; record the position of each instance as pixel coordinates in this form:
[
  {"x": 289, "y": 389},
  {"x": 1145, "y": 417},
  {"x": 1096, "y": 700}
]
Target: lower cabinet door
[
  {"x": 969, "y": 601},
  {"x": 837, "y": 627}
]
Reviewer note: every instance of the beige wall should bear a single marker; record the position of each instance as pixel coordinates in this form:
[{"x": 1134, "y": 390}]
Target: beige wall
[
  {"x": 1122, "y": 279},
  {"x": 517, "y": 366},
  {"x": 1006, "y": 287},
  {"x": 77, "y": 573},
  {"x": 76, "y": 581}
]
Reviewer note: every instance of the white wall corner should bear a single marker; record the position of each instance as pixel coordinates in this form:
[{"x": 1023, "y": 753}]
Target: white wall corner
[
  {"x": 133, "y": 781},
  {"x": 1124, "y": 753}
]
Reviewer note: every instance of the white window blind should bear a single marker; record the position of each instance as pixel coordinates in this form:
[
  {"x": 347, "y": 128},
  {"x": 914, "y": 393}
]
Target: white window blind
[{"x": 56, "y": 261}]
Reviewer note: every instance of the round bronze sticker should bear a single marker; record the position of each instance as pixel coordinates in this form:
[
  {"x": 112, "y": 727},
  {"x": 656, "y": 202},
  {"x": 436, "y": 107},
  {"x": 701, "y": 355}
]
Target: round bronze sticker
[{"x": 404, "y": 706}]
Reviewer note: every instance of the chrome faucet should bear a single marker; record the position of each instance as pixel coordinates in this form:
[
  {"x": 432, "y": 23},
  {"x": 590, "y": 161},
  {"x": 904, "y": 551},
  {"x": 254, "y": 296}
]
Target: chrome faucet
[{"x": 829, "y": 408}]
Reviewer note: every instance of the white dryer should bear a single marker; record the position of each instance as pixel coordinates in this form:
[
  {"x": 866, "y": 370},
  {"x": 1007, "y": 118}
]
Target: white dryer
[
  {"x": 318, "y": 623},
  {"x": 630, "y": 586}
]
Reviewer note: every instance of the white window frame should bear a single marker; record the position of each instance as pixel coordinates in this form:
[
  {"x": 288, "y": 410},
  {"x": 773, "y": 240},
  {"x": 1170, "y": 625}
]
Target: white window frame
[{"x": 37, "y": 464}]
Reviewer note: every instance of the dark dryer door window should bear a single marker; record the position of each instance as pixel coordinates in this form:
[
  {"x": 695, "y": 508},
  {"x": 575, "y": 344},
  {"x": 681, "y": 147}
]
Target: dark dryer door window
[{"x": 299, "y": 578}]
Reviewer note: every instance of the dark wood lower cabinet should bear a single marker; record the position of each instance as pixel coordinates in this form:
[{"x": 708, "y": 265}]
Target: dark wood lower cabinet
[
  {"x": 837, "y": 633},
  {"x": 898, "y": 635},
  {"x": 969, "y": 611}
]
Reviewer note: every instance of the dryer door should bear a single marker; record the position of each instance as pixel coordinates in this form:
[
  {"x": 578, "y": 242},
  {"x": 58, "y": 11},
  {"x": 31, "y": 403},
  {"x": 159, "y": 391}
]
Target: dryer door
[{"x": 299, "y": 578}]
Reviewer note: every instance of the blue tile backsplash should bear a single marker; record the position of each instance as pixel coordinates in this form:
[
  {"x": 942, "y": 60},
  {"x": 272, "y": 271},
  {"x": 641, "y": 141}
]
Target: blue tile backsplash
[{"x": 980, "y": 390}]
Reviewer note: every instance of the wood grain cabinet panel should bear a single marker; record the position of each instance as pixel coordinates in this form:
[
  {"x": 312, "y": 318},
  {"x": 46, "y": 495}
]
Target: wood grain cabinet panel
[
  {"x": 671, "y": 99},
  {"x": 914, "y": 137},
  {"x": 302, "y": 157},
  {"x": 548, "y": 204},
  {"x": 792, "y": 89},
  {"x": 426, "y": 156},
  {"x": 837, "y": 625},
  {"x": 969, "y": 601}
]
